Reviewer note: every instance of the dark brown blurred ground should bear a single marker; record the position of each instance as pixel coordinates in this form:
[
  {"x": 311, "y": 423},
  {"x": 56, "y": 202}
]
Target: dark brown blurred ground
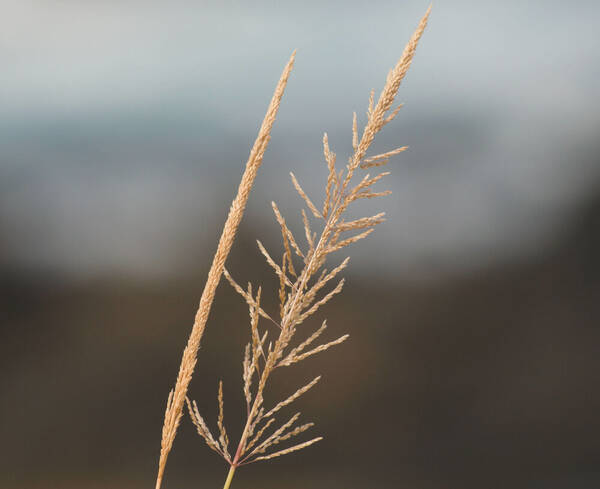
[{"x": 489, "y": 380}]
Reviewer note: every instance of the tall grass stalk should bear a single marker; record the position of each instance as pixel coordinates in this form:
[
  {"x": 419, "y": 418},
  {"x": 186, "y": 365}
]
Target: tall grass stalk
[{"x": 176, "y": 399}]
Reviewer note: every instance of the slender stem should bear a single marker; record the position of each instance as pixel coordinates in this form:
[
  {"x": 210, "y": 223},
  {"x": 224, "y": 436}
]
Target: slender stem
[{"x": 229, "y": 477}]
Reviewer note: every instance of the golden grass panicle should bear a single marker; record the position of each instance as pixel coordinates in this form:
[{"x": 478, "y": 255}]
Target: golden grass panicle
[
  {"x": 302, "y": 285},
  {"x": 177, "y": 396}
]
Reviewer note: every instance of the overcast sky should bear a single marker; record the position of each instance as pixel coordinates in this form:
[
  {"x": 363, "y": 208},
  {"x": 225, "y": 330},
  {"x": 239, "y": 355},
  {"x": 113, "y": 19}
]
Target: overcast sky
[{"x": 125, "y": 125}]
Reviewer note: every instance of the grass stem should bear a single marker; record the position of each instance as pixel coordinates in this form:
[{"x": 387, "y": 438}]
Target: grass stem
[{"x": 229, "y": 477}]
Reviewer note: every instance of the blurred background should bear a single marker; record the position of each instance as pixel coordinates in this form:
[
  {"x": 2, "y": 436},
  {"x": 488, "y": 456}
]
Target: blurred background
[{"x": 473, "y": 311}]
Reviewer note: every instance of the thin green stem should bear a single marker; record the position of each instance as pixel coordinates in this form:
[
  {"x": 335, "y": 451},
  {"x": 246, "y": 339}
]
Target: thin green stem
[{"x": 229, "y": 477}]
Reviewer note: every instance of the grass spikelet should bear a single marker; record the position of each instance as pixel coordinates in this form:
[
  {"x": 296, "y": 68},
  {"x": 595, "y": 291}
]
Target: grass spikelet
[
  {"x": 381, "y": 159},
  {"x": 223, "y": 438},
  {"x": 371, "y": 101},
  {"x": 248, "y": 297},
  {"x": 293, "y": 397},
  {"x": 260, "y": 433},
  {"x": 300, "y": 446},
  {"x": 302, "y": 193},
  {"x": 320, "y": 348},
  {"x": 275, "y": 436},
  {"x": 289, "y": 359},
  {"x": 393, "y": 114},
  {"x": 271, "y": 262},
  {"x": 287, "y": 235},
  {"x": 331, "y": 178},
  {"x": 202, "y": 428}
]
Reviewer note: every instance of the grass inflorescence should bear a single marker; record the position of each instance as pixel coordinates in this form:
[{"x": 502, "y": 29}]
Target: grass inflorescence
[{"x": 277, "y": 340}]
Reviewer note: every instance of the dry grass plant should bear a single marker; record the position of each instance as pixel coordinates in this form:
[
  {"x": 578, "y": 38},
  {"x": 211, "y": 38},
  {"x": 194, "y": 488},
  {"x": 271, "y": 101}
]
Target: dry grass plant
[{"x": 302, "y": 278}]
